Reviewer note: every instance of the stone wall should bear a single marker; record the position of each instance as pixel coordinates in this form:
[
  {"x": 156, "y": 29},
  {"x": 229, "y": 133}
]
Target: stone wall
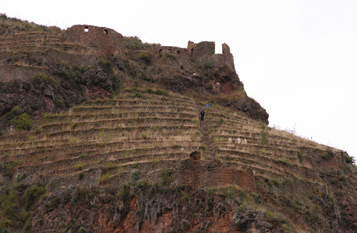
[
  {"x": 201, "y": 50},
  {"x": 195, "y": 174},
  {"x": 101, "y": 40}
]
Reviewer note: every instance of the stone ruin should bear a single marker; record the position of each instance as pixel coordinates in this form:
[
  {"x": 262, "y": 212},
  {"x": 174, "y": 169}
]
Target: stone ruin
[{"x": 102, "y": 40}]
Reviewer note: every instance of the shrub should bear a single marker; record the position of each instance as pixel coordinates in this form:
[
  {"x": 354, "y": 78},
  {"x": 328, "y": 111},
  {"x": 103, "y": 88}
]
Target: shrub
[
  {"x": 108, "y": 69},
  {"x": 15, "y": 112},
  {"x": 72, "y": 140},
  {"x": 42, "y": 79},
  {"x": 81, "y": 230},
  {"x": 185, "y": 225},
  {"x": 327, "y": 154},
  {"x": 145, "y": 58},
  {"x": 20, "y": 177},
  {"x": 23, "y": 123},
  {"x": 215, "y": 72},
  {"x": 80, "y": 176},
  {"x": 185, "y": 198},
  {"x": 276, "y": 182},
  {"x": 207, "y": 65},
  {"x": 165, "y": 176},
  {"x": 300, "y": 156},
  {"x": 264, "y": 140},
  {"x": 137, "y": 95},
  {"x": 210, "y": 203},
  {"x": 230, "y": 194},
  {"x": 161, "y": 92},
  {"x": 33, "y": 195},
  {"x": 284, "y": 160},
  {"x": 134, "y": 43},
  {"x": 135, "y": 175},
  {"x": 144, "y": 136},
  {"x": 149, "y": 90},
  {"x": 124, "y": 192},
  {"x": 142, "y": 184},
  {"x": 105, "y": 178}
]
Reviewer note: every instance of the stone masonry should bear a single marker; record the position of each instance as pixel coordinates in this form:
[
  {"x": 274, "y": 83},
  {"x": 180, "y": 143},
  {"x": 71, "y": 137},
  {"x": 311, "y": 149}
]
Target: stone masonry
[{"x": 101, "y": 40}]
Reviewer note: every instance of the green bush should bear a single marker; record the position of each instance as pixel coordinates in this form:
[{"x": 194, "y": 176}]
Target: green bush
[
  {"x": 327, "y": 154},
  {"x": 300, "y": 156},
  {"x": 124, "y": 192},
  {"x": 144, "y": 136},
  {"x": 134, "y": 43},
  {"x": 15, "y": 112},
  {"x": 80, "y": 176},
  {"x": 165, "y": 176},
  {"x": 207, "y": 65},
  {"x": 33, "y": 195},
  {"x": 145, "y": 58},
  {"x": 23, "y": 123},
  {"x": 276, "y": 182},
  {"x": 185, "y": 225},
  {"x": 137, "y": 95},
  {"x": 264, "y": 140},
  {"x": 185, "y": 198},
  {"x": 108, "y": 69},
  {"x": 142, "y": 184},
  {"x": 42, "y": 79},
  {"x": 135, "y": 175},
  {"x": 161, "y": 92}
]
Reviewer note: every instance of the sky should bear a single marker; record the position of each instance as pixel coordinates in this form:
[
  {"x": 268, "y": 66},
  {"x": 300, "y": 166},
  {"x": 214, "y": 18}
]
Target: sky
[{"x": 298, "y": 59}]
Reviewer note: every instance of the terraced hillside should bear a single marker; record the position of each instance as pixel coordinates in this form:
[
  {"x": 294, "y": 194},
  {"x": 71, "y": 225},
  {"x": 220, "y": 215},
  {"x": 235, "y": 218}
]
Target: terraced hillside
[
  {"x": 145, "y": 137},
  {"x": 101, "y": 133}
]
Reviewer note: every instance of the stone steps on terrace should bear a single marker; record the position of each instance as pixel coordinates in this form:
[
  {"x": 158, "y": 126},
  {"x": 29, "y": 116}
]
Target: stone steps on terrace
[
  {"x": 107, "y": 161},
  {"x": 77, "y": 149},
  {"x": 256, "y": 138},
  {"x": 274, "y": 153},
  {"x": 116, "y": 122},
  {"x": 231, "y": 117},
  {"x": 92, "y": 176},
  {"x": 286, "y": 167},
  {"x": 59, "y": 168},
  {"x": 121, "y": 129},
  {"x": 43, "y": 47},
  {"x": 21, "y": 138},
  {"x": 29, "y": 41},
  {"x": 249, "y": 142},
  {"x": 257, "y": 169},
  {"x": 141, "y": 100},
  {"x": 134, "y": 106},
  {"x": 123, "y": 115}
]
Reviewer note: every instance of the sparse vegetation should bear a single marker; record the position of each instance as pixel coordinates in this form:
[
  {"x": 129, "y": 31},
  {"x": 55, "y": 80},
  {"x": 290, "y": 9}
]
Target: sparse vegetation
[{"x": 23, "y": 123}]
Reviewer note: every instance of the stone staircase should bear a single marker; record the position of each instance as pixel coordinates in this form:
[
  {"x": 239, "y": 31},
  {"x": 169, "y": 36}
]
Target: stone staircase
[{"x": 207, "y": 138}]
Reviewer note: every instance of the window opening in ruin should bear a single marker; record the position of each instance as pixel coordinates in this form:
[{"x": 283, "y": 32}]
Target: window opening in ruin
[
  {"x": 160, "y": 50},
  {"x": 106, "y": 31},
  {"x": 169, "y": 50},
  {"x": 86, "y": 29},
  {"x": 178, "y": 51}
]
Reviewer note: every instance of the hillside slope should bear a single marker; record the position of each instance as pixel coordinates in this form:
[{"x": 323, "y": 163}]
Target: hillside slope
[{"x": 95, "y": 141}]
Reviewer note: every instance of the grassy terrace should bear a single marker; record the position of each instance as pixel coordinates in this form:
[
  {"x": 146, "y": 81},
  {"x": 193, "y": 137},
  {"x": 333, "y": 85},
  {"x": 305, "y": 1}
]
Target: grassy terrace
[
  {"x": 146, "y": 130},
  {"x": 243, "y": 142},
  {"x": 114, "y": 134},
  {"x": 36, "y": 42}
]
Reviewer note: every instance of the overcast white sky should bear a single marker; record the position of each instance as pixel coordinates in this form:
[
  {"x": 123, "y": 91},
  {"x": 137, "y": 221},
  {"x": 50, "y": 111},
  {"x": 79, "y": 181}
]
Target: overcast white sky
[{"x": 298, "y": 59}]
